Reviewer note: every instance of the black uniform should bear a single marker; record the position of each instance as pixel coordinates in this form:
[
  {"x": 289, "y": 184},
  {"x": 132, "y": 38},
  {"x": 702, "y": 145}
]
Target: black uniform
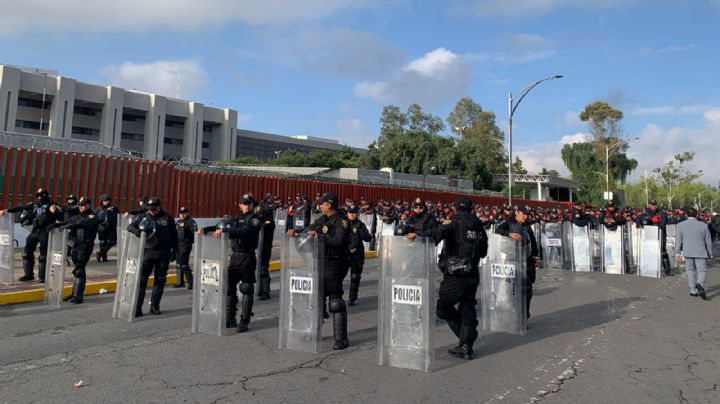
[
  {"x": 465, "y": 244},
  {"x": 244, "y": 234},
  {"x": 107, "y": 230},
  {"x": 186, "y": 229},
  {"x": 69, "y": 210},
  {"x": 528, "y": 238},
  {"x": 333, "y": 238},
  {"x": 356, "y": 258},
  {"x": 657, "y": 217},
  {"x": 160, "y": 246},
  {"x": 83, "y": 229},
  {"x": 42, "y": 216},
  {"x": 581, "y": 219},
  {"x": 266, "y": 214}
]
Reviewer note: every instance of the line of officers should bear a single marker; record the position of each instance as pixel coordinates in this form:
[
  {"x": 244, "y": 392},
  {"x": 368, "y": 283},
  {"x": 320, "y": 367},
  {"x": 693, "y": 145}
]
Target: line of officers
[{"x": 338, "y": 231}]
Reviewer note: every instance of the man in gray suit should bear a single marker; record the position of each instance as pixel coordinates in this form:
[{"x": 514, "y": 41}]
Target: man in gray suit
[{"x": 693, "y": 239}]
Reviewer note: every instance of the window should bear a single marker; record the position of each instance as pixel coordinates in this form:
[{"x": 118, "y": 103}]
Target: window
[
  {"x": 79, "y": 130},
  {"x": 32, "y": 103},
  {"x": 169, "y": 140},
  {"x": 86, "y": 111},
  {"x": 132, "y": 136},
  {"x": 31, "y": 124}
]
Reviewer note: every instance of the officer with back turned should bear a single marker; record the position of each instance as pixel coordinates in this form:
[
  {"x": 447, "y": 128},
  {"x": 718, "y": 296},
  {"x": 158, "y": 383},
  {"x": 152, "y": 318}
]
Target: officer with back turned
[
  {"x": 43, "y": 212},
  {"x": 243, "y": 231},
  {"x": 265, "y": 212},
  {"x": 186, "y": 228},
  {"x": 107, "y": 230},
  {"x": 160, "y": 246},
  {"x": 332, "y": 232},
  {"x": 465, "y": 244},
  {"x": 356, "y": 259}
]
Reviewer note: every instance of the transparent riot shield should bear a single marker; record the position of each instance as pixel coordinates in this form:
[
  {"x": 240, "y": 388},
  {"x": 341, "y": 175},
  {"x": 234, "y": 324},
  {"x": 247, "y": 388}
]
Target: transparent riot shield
[
  {"x": 301, "y": 296},
  {"x": 280, "y": 223},
  {"x": 551, "y": 241},
  {"x": 406, "y": 310},
  {"x": 314, "y": 216},
  {"x": 596, "y": 245},
  {"x": 581, "y": 249},
  {"x": 212, "y": 257},
  {"x": 368, "y": 220},
  {"x": 122, "y": 231},
  {"x": 128, "y": 283},
  {"x": 503, "y": 280},
  {"x": 55, "y": 267},
  {"x": 650, "y": 252},
  {"x": 7, "y": 251},
  {"x": 613, "y": 247},
  {"x": 670, "y": 231},
  {"x": 258, "y": 259},
  {"x": 630, "y": 247}
]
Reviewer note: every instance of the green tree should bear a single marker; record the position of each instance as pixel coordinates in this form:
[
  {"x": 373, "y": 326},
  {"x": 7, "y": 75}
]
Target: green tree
[
  {"x": 471, "y": 123},
  {"x": 585, "y": 168},
  {"x": 518, "y": 166},
  {"x": 673, "y": 174},
  {"x": 550, "y": 173}
]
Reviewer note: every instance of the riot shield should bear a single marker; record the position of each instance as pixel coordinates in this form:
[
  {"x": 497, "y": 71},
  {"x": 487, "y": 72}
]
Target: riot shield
[
  {"x": 128, "y": 283},
  {"x": 596, "y": 245},
  {"x": 368, "y": 220},
  {"x": 299, "y": 220},
  {"x": 280, "y": 223},
  {"x": 551, "y": 240},
  {"x": 613, "y": 257},
  {"x": 301, "y": 296},
  {"x": 122, "y": 231},
  {"x": 631, "y": 246},
  {"x": 55, "y": 267},
  {"x": 212, "y": 257},
  {"x": 258, "y": 259},
  {"x": 314, "y": 216},
  {"x": 406, "y": 311},
  {"x": 670, "y": 232},
  {"x": 503, "y": 293},
  {"x": 650, "y": 252},
  {"x": 7, "y": 251},
  {"x": 581, "y": 249}
]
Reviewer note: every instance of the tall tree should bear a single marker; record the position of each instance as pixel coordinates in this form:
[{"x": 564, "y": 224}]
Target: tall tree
[
  {"x": 585, "y": 168},
  {"x": 470, "y": 123},
  {"x": 674, "y": 174}
]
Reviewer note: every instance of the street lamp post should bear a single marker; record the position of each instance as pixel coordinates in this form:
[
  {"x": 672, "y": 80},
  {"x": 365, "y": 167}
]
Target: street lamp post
[{"x": 512, "y": 106}]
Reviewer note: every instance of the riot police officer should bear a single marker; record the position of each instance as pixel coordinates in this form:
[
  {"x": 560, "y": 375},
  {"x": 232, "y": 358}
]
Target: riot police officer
[
  {"x": 356, "y": 259},
  {"x": 107, "y": 229},
  {"x": 519, "y": 229},
  {"x": 465, "y": 244},
  {"x": 43, "y": 213},
  {"x": 578, "y": 217},
  {"x": 160, "y": 245},
  {"x": 186, "y": 228},
  {"x": 70, "y": 209},
  {"x": 83, "y": 229},
  {"x": 243, "y": 231},
  {"x": 654, "y": 216},
  {"x": 266, "y": 214},
  {"x": 332, "y": 231},
  {"x": 421, "y": 222}
]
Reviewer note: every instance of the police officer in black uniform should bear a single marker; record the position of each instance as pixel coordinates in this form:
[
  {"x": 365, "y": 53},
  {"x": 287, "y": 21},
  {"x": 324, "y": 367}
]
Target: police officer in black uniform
[
  {"x": 465, "y": 244},
  {"x": 83, "y": 229},
  {"x": 141, "y": 208},
  {"x": 160, "y": 245},
  {"x": 43, "y": 212},
  {"x": 356, "y": 259},
  {"x": 70, "y": 209},
  {"x": 421, "y": 222},
  {"x": 333, "y": 237},
  {"x": 244, "y": 232},
  {"x": 186, "y": 228},
  {"x": 578, "y": 217},
  {"x": 266, "y": 214},
  {"x": 518, "y": 228},
  {"x": 107, "y": 230},
  {"x": 654, "y": 216}
]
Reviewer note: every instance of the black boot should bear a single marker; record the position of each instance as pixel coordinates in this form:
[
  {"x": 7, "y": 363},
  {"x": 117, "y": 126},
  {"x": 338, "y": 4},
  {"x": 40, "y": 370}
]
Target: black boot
[
  {"x": 462, "y": 351},
  {"x": 231, "y": 311},
  {"x": 246, "y": 313},
  {"x": 180, "y": 280},
  {"x": 189, "y": 276},
  {"x": 468, "y": 335},
  {"x": 264, "y": 289},
  {"x": 78, "y": 291},
  {"x": 155, "y": 297},
  {"x": 98, "y": 256},
  {"x": 354, "y": 287},
  {"x": 666, "y": 265},
  {"x": 41, "y": 271},
  {"x": 340, "y": 330}
]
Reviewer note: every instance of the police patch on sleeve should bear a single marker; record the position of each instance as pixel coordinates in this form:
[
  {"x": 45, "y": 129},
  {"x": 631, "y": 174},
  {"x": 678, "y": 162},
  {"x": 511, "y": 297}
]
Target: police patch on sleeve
[
  {"x": 91, "y": 216},
  {"x": 354, "y": 229},
  {"x": 325, "y": 229},
  {"x": 344, "y": 224}
]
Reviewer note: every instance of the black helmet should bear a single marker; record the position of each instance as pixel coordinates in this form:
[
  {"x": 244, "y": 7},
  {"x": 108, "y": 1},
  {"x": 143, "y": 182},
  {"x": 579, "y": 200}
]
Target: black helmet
[
  {"x": 401, "y": 230},
  {"x": 147, "y": 226},
  {"x": 26, "y": 217},
  {"x": 225, "y": 224}
]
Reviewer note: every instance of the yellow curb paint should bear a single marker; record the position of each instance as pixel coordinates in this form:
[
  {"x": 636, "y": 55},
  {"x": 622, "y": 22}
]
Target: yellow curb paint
[{"x": 93, "y": 288}]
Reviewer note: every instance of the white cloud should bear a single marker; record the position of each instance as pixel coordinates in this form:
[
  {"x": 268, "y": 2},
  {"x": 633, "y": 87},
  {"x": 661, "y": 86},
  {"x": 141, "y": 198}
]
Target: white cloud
[
  {"x": 160, "y": 77},
  {"x": 353, "y": 132},
  {"x": 576, "y": 138},
  {"x": 184, "y": 15},
  {"x": 520, "y": 8},
  {"x": 437, "y": 76},
  {"x": 669, "y": 110},
  {"x": 713, "y": 116},
  {"x": 645, "y": 52}
]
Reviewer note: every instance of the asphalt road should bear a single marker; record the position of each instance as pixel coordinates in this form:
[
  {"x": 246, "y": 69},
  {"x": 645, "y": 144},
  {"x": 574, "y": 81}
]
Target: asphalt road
[{"x": 592, "y": 338}]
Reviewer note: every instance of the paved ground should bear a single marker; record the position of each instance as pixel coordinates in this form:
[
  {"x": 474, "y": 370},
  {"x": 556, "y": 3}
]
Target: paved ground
[{"x": 592, "y": 338}]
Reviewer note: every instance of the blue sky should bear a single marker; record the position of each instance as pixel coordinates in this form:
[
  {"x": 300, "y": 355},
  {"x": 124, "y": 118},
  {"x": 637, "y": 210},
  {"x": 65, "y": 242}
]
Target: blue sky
[{"x": 327, "y": 67}]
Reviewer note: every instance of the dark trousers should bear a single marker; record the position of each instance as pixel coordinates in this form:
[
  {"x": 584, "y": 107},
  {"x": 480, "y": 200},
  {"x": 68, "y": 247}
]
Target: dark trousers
[
  {"x": 460, "y": 292},
  {"x": 31, "y": 243},
  {"x": 81, "y": 254},
  {"x": 107, "y": 239},
  {"x": 157, "y": 263}
]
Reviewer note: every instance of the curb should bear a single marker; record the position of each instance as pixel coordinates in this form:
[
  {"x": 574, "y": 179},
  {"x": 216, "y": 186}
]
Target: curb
[{"x": 93, "y": 288}]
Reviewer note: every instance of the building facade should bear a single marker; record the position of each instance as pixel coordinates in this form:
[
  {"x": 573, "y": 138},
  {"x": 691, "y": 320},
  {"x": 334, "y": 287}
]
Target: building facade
[{"x": 40, "y": 102}]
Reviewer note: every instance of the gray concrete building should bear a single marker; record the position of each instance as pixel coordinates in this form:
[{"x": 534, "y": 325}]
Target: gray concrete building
[{"x": 267, "y": 146}]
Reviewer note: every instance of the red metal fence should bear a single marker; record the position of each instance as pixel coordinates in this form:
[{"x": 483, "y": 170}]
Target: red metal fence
[{"x": 205, "y": 193}]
